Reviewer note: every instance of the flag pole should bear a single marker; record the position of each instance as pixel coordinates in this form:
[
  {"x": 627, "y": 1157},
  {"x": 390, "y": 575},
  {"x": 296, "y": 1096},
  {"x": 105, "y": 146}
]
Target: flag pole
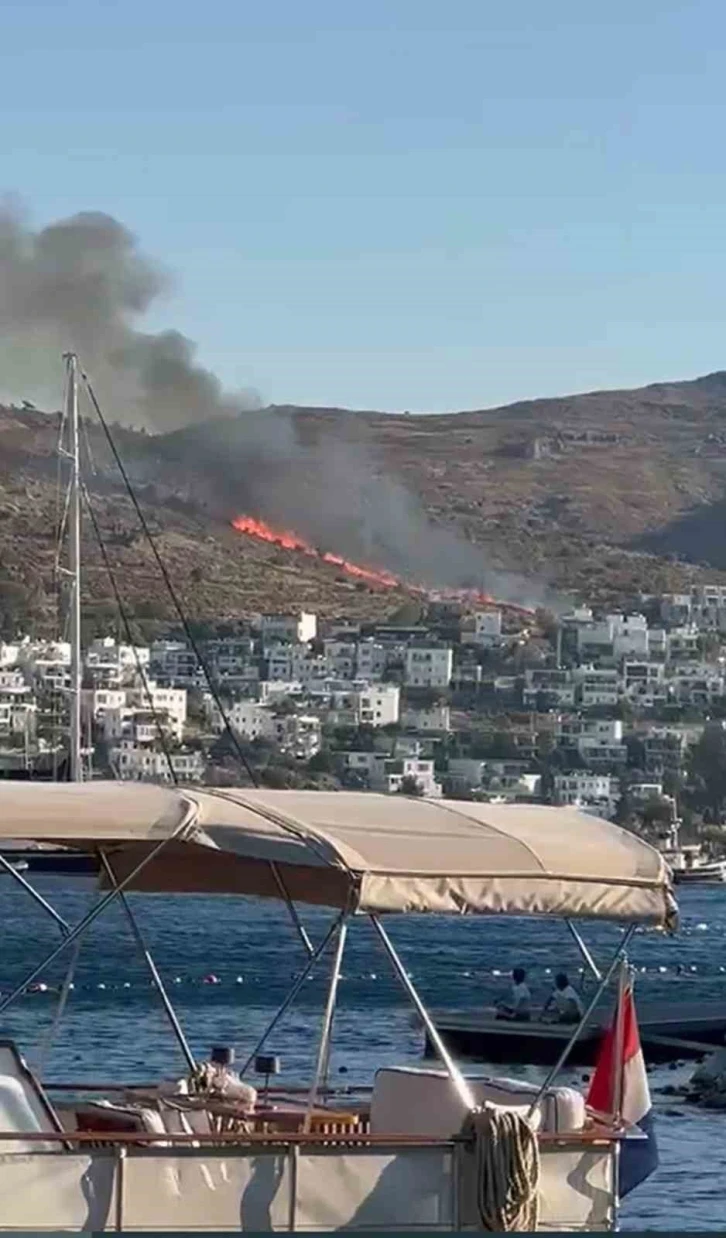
[{"x": 619, "y": 1045}]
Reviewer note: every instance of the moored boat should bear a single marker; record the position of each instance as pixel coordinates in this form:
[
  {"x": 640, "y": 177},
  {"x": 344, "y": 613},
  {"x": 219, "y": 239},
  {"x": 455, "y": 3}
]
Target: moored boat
[{"x": 424, "y": 1148}]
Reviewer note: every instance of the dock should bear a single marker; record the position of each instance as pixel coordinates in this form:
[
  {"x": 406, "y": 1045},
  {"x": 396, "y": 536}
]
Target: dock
[{"x": 669, "y": 1031}]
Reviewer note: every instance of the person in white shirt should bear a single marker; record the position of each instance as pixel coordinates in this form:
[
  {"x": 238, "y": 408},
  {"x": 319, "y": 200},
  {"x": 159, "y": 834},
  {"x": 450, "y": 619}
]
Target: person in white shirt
[
  {"x": 567, "y": 1001},
  {"x": 519, "y": 1005}
]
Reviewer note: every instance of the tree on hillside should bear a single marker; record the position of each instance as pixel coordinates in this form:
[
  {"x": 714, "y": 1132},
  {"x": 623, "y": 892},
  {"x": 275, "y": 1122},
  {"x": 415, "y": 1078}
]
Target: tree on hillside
[{"x": 707, "y": 762}]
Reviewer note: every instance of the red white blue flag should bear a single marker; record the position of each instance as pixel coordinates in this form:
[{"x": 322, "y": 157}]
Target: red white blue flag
[{"x": 620, "y": 1087}]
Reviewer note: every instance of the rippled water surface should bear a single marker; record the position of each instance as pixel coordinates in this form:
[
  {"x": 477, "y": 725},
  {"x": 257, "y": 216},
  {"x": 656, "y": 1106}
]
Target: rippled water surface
[{"x": 114, "y": 1029}]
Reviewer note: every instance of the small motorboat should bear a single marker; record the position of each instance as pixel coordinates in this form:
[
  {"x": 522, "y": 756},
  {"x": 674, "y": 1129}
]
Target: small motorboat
[{"x": 705, "y": 872}]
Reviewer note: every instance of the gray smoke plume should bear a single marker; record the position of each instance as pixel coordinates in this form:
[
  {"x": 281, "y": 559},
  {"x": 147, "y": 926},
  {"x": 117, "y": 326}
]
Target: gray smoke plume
[{"x": 83, "y": 284}]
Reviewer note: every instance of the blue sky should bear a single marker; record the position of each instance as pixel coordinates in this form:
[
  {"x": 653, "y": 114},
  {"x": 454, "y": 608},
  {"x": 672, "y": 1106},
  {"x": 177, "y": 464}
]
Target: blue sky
[{"x": 402, "y": 204}]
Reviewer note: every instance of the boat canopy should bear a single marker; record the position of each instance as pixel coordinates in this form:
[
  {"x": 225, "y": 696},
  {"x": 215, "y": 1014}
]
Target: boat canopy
[{"x": 357, "y": 850}]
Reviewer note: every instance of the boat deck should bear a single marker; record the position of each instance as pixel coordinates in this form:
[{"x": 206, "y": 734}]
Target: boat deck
[{"x": 668, "y": 1031}]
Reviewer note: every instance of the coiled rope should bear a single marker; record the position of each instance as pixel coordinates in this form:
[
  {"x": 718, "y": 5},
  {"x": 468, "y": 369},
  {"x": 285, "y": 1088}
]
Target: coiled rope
[{"x": 506, "y": 1167}]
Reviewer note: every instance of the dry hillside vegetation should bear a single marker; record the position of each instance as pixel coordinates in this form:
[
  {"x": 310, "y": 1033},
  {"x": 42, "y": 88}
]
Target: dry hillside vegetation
[{"x": 603, "y": 495}]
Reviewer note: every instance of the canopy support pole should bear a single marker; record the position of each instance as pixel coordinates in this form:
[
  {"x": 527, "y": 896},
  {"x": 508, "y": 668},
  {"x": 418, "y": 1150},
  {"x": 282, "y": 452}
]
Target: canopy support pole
[
  {"x": 299, "y": 982},
  {"x": 151, "y": 965},
  {"x": 13, "y": 872},
  {"x": 584, "y": 951},
  {"x": 87, "y": 921},
  {"x": 554, "y": 1071},
  {"x": 299, "y": 926},
  {"x": 452, "y": 1069},
  {"x": 324, "y": 1046}
]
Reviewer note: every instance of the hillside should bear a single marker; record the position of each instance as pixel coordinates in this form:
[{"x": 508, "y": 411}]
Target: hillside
[{"x": 591, "y": 493}]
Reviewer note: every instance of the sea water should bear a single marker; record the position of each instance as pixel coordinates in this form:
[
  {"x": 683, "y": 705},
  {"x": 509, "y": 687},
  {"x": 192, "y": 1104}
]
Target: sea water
[{"x": 228, "y": 962}]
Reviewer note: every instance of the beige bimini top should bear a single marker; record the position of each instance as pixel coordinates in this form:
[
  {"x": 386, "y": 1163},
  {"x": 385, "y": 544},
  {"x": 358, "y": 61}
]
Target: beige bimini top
[{"x": 366, "y": 852}]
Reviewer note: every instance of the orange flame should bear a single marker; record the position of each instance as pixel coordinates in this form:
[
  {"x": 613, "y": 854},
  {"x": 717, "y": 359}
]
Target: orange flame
[
  {"x": 292, "y": 541},
  {"x": 288, "y": 540}
]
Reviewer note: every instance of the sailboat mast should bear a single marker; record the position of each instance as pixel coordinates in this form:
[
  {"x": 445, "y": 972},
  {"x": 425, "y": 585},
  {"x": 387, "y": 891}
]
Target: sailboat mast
[{"x": 74, "y": 535}]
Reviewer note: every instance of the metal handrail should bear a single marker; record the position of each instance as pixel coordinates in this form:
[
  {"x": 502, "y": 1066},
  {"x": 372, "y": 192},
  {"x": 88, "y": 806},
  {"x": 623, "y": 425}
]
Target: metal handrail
[{"x": 596, "y": 1137}]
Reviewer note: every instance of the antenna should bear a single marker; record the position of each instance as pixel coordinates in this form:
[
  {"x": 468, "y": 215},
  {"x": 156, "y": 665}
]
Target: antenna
[{"x": 74, "y": 557}]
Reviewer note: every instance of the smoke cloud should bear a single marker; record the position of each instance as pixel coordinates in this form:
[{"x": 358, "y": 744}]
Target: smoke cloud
[{"x": 83, "y": 284}]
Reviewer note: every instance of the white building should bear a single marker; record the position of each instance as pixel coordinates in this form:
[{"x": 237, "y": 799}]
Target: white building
[
  {"x": 613, "y": 637},
  {"x": 295, "y": 662},
  {"x": 18, "y": 707},
  {"x": 302, "y": 627},
  {"x": 695, "y": 683},
  {"x": 708, "y": 607},
  {"x": 231, "y": 660},
  {"x": 251, "y": 720},
  {"x": 96, "y": 702},
  {"x": 107, "y": 662},
  {"x": 644, "y": 683},
  {"x": 298, "y": 734},
  {"x": 630, "y": 636},
  {"x": 371, "y": 660},
  {"x": 597, "y": 686},
  {"x": 683, "y": 642},
  {"x": 169, "y": 704},
  {"x": 175, "y": 663},
  {"x": 429, "y": 666},
  {"x": 581, "y": 788},
  {"x": 557, "y": 686},
  {"x": 387, "y": 773},
  {"x": 146, "y": 764},
  {"x": 600, "y": 742},
  {"x": 377, "y": 704},
  {"x": 435, "y": 719},
  {"x": 341, "y": 657},
  {"x": 487, "y": 628},
  {"x": 48, "y": 662},
  {"x": 118, "y": 710}
]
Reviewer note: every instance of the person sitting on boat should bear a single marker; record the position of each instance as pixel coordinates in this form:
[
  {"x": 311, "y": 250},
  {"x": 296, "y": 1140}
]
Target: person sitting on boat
[
  {"x": 519, "y": 1005},
  {"x": 216, "y": 1078},
  {"x": 566, "y": 999}
]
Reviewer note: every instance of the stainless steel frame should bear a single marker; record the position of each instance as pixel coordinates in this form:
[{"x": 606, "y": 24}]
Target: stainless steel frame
[
  {"x": 38, "y": 898},
  {"x": 153, "y": 970},
  {"x": 324, "y": 1045},
  {"x": 317, "y": 953},
  {"x": 452, "y": 1069},
  {"x": 292, "y": 909},
  {"x": 87, "y": 920},
  {"x": 554, "y": 1071},
  {"x": 584, "y": 950}
]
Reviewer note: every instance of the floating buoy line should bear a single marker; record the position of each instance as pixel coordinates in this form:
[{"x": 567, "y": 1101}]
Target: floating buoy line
[{"x": 213, "y": 981}]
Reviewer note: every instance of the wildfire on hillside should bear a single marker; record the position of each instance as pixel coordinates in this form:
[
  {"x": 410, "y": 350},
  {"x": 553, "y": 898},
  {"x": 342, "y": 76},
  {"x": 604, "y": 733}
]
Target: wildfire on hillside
[{"x": 381, "y": 578}]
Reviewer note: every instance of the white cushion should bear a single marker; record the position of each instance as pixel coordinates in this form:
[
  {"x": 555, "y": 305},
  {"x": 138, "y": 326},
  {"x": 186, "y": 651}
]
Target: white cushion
[
  {"x": 425, "y": 1102},
  {"x": 22, "y": 1105},
  {"x": 407, "y": 1100}
]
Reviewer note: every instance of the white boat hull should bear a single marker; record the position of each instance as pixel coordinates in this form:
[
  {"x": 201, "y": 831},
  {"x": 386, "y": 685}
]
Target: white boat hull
[{"x": 293, "y": 1188}]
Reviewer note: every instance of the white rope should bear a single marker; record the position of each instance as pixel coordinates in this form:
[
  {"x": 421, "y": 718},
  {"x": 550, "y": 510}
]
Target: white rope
[{"x": 506, "y": 1165}]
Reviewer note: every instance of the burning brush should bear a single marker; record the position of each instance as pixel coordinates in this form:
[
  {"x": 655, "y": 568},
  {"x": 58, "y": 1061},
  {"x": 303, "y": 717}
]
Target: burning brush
[{"x": 376, "y": 577}]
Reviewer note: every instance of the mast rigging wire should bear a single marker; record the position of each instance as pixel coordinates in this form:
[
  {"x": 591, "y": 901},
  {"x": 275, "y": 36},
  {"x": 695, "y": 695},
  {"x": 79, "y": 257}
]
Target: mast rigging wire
[
  {"x": 123, "y": 613},
  {"x": 167, "y": 581}
]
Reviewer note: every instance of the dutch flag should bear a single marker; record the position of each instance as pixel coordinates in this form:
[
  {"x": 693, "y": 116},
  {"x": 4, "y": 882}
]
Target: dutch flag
[{"x": 621, "y": 1087}]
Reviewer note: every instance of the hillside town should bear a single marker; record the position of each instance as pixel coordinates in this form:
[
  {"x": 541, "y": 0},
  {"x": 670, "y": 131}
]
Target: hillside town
[{"x": 621, "y": 714}]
